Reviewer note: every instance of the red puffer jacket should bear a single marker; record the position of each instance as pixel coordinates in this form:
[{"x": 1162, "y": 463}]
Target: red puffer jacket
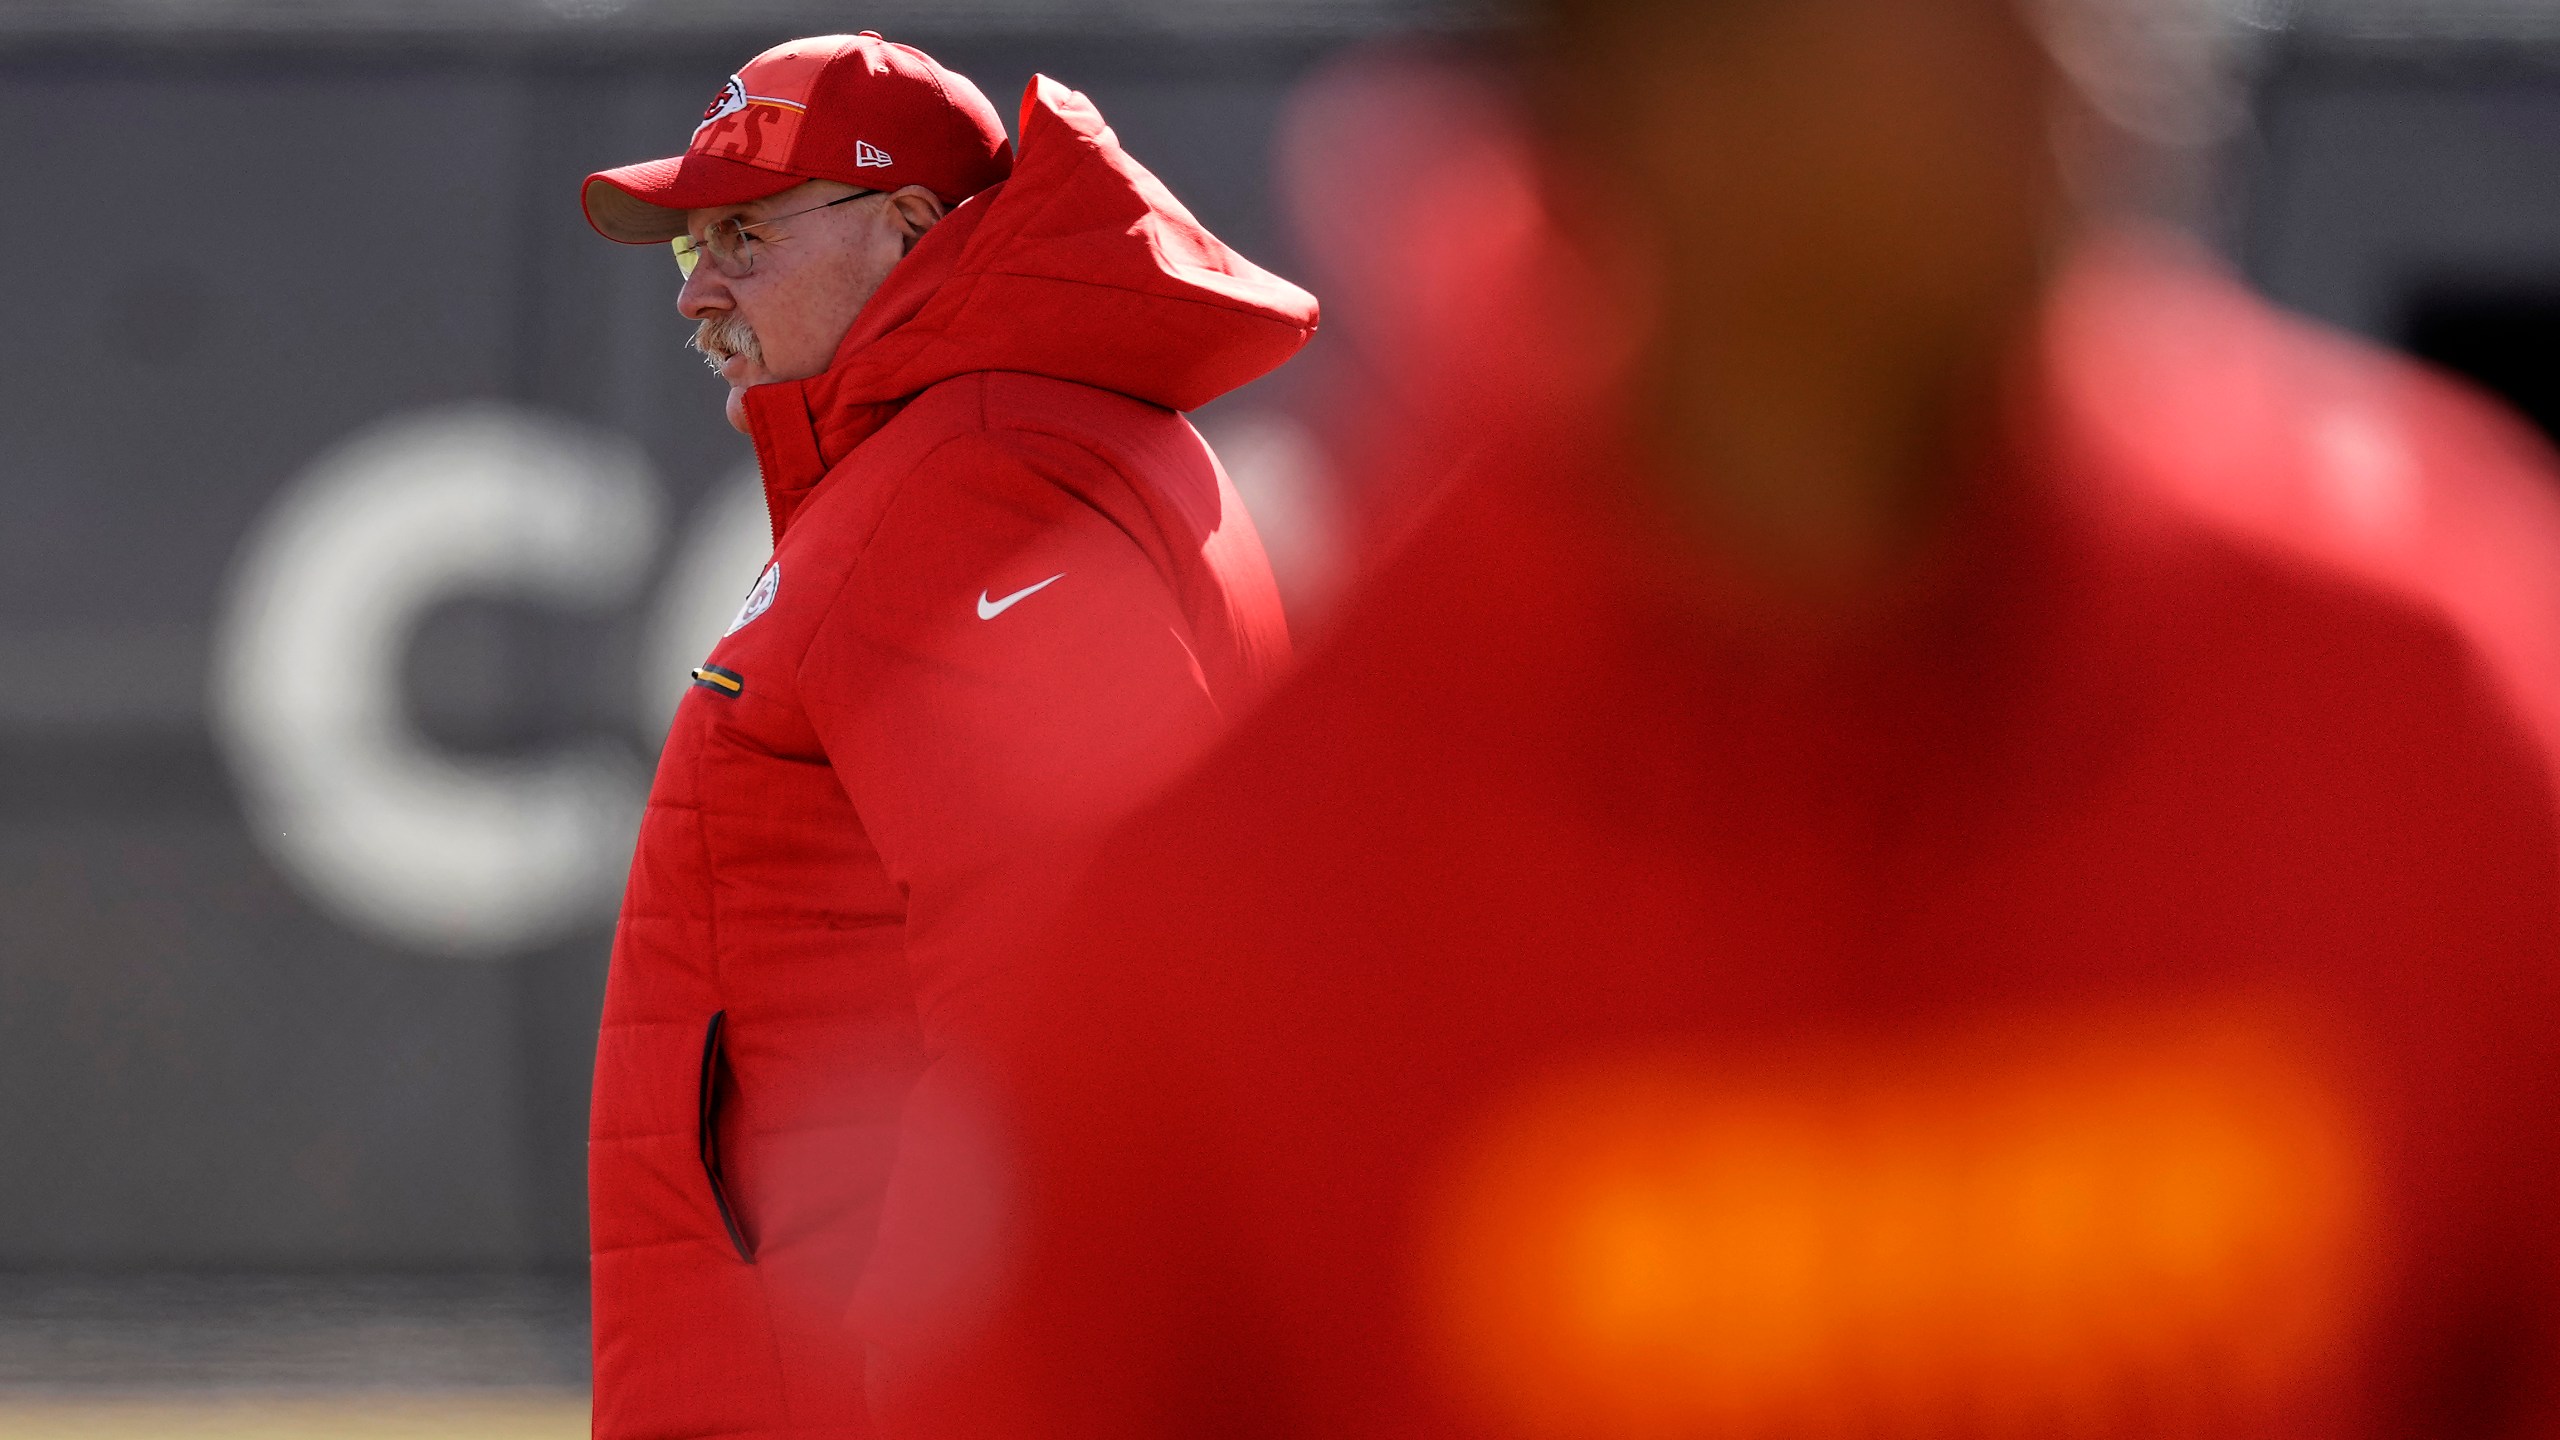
[{"x": 1010, "y": 589}]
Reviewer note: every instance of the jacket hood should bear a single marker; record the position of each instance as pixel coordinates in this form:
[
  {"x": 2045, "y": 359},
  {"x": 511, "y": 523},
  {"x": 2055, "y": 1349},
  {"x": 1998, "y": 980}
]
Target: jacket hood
[{"x": 1081, "y": 267}]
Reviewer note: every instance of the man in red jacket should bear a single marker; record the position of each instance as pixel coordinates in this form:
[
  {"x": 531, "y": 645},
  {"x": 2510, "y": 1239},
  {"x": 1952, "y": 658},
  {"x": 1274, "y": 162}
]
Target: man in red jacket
[
  {"x": 1010, "y": 589},
  {"x": 1800, "y": 903}
]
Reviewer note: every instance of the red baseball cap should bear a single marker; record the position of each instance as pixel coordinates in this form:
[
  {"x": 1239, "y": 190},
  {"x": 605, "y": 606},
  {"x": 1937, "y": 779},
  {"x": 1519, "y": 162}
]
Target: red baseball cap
[{"x": 854, "y": 108}]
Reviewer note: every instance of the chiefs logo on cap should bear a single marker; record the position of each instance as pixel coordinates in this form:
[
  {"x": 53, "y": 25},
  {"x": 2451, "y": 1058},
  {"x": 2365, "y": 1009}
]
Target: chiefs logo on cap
[
  {"x": 756, "y": 116},
  {"x": 731, "y": 99}
]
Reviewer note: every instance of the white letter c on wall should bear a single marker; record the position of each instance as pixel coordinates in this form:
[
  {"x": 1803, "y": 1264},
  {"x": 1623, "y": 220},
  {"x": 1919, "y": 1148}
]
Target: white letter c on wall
[{"x": 449, "y": 855}]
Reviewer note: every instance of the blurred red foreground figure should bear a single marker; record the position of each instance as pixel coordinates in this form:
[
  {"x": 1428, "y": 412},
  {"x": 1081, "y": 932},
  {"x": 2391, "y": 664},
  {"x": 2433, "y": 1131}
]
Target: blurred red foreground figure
[{"x": 1750, "y": 931}]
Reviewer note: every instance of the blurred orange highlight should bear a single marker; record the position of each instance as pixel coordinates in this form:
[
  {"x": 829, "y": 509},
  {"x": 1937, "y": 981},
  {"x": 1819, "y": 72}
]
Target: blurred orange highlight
[{"x": 2066, "y": 1237}]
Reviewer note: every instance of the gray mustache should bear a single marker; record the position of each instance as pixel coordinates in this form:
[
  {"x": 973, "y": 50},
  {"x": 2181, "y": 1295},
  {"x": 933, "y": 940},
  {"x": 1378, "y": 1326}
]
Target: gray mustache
[{"x": 723, "y": 336}]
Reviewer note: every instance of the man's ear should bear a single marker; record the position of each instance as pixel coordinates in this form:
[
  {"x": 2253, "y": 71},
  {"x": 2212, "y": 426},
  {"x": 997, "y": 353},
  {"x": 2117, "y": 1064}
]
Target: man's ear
[{"x": 914, "y": 210}]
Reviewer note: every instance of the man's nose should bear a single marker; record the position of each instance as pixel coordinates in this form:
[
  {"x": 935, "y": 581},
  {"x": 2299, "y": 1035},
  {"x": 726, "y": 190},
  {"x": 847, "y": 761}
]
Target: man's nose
[{"x": 705, "y": 293}]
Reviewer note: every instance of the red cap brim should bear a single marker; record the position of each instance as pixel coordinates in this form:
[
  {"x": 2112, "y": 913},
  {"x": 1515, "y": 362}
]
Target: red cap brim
[{"x": 645, "y": 204}]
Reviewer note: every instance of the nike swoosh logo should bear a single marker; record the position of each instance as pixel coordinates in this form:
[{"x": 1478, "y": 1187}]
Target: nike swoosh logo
[{"x": 990, "y": 609}]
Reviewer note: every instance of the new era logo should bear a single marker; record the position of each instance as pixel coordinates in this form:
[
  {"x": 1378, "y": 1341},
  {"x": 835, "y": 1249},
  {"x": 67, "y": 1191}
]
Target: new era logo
[{"x": 866, "y": 153}]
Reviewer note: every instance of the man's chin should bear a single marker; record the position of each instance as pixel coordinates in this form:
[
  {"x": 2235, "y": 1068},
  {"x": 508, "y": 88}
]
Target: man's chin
[{"x": 738, "y": 408}]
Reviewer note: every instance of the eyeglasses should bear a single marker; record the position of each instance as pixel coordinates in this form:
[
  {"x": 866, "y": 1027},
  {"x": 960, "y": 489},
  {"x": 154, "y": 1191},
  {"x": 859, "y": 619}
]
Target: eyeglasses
[{"x": 727, "y": 241}]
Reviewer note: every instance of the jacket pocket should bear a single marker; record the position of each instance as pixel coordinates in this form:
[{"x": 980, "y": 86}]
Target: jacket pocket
[{"x": 714, "y": 1068}]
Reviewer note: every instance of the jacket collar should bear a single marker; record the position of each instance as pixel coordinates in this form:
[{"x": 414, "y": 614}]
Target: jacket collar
[
  {"x": 803, "y": 429},
  {"x": 1081, "y": 268}
]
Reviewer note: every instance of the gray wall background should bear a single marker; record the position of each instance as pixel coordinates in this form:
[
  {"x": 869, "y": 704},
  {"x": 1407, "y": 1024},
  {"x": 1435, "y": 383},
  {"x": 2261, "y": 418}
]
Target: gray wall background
[
  {"x": 233, "y": 253},
  {"x": 2411, "y": 191}
]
